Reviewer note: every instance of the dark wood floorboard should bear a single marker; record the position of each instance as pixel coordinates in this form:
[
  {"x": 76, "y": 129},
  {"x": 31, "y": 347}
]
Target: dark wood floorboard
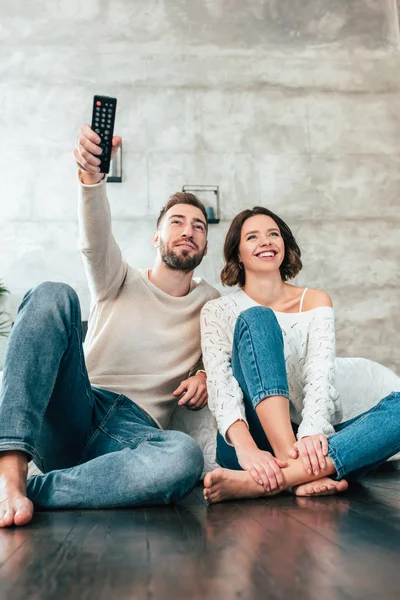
[{"x": 344, "y": 547}]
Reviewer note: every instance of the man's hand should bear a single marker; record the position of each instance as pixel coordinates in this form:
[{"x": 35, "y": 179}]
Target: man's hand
[
  {"x": 193, "y": 392},
  {"x": 312, "y": 451},
  {"x": 87, "y": 151},
  {"x": 265, "y": 469}
]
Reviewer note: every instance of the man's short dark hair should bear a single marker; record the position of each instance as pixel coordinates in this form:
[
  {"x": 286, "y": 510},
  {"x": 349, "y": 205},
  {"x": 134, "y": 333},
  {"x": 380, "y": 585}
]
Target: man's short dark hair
[{"x": 182, "y": 198}]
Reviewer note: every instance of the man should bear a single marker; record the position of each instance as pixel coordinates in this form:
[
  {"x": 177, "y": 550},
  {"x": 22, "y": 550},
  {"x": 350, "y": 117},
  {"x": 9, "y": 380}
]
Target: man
[{"x": 95, "y": 426}]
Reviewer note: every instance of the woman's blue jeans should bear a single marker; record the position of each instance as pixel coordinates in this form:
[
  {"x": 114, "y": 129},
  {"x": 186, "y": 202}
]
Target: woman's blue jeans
[
  {"x": 358, "y": 446},
  {"x": 97, "y": 449}
]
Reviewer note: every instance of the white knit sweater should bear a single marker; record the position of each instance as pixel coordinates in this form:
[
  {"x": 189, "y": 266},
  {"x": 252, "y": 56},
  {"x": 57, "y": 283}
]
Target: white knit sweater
[{"x": 309, "y": 346}]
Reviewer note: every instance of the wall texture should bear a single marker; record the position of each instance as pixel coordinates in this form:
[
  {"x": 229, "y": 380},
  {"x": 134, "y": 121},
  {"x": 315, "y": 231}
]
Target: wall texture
[{"x": 293, "y": 104}]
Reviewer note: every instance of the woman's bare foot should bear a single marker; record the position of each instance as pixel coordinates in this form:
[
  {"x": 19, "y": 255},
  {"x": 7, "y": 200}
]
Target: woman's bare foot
[
  {"x": 321, "y": 487},
  {"x": 15, "y": 508},
  {"x": 225, "y": 484}
]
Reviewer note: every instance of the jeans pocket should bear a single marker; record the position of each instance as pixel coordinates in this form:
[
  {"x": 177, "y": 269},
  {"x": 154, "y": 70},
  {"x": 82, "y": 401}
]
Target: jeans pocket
[
  {"x": 105, "y": 406},
  {"x": 127, "y": 423}
]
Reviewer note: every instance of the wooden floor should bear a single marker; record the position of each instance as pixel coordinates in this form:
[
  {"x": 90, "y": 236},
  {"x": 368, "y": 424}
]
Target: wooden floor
[{"x": 343, "y": 547}]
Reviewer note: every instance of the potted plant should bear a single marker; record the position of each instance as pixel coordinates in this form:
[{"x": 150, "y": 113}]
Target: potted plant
[{"x": 4, "y": 319}]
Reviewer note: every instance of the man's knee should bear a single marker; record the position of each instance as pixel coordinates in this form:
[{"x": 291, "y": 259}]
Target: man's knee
[
  {"x": 186, "y": 465},
  {"x": 53, "y": 291},
  {"x": 52, "y": 294},
  {"x": 172, "y": 474}
]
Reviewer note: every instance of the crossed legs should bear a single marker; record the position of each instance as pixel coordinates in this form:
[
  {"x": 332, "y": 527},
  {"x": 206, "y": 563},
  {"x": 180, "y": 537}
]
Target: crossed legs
[
  {"x": 258, "y": 365},
  {"x": 50, "y": 412}
]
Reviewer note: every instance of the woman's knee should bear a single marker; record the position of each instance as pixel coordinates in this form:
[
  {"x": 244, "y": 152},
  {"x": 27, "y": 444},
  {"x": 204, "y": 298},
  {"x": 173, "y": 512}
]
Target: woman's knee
[
  {"x": 256, "y": 318},
  {"x": 258, "y": 323},
  {"x": 258, "y": 314}
]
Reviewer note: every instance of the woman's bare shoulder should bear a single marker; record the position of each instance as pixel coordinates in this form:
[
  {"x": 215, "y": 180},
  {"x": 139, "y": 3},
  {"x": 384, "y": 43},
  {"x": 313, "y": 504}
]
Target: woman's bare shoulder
[{"x": 316, "y": 299}]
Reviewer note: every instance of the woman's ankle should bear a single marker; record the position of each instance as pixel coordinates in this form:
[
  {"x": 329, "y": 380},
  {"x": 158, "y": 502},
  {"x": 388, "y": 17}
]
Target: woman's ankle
[
  {"x": 295, "y": 474},
  {"x": 283, "y": 452}
]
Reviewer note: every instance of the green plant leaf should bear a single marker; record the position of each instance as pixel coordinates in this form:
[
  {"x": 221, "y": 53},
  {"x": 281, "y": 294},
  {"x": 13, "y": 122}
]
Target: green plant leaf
[{"x": 4, "y": 325}]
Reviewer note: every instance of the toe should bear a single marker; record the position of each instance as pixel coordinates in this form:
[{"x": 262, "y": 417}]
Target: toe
[
  {"x": 8, "y": 518},
  {"x": 207, "y": 480},
  {"x": 22, "y": 516}
]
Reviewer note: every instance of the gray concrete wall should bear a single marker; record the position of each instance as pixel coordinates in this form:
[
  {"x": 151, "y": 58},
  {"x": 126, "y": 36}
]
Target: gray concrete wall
[{"x": 293, "y": 104}]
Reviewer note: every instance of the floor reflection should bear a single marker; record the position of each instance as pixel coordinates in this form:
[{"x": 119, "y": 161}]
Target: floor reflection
[{"x": 344, "y": 546}]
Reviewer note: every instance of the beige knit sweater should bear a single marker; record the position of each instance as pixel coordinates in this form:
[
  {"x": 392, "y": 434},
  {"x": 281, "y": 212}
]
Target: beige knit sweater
[{"x": 141, "y": 342}]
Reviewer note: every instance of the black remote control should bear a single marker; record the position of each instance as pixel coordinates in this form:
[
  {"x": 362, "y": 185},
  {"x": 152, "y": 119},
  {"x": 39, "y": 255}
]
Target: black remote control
[{"x": 103, "y": 119}]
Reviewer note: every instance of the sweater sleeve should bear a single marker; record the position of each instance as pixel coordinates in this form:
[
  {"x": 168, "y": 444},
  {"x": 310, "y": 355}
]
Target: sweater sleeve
[
  {"x": 225, "y": 397},
  {"x": 322, "y": 406},
  {"x": 105, "y": 269}
]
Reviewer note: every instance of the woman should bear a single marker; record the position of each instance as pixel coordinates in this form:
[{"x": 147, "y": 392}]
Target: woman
[{"x": 269, "y": 352}]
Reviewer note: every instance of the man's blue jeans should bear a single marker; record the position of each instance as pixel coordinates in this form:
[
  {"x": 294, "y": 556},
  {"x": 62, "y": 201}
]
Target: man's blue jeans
[
  {"x": 97, "y": 449},
  {"x": 358, "y": 446}
]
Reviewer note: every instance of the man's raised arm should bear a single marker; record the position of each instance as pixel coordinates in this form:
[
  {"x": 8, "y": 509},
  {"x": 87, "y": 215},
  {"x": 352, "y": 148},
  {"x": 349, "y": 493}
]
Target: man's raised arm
[{"x": 105, "y": 269}]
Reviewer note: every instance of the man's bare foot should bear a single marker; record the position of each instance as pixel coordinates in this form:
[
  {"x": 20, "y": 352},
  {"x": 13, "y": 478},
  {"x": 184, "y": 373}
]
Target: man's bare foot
[
  {"x": 321, "y": 487},
  {"x": 225, "y": 484},
  {"x": 15, "y": 508}
]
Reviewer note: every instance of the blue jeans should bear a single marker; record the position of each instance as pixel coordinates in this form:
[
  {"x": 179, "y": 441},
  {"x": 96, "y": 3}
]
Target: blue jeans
[
  {"x": 358, "y": 446},
  {"x": 97, "y": 449}
]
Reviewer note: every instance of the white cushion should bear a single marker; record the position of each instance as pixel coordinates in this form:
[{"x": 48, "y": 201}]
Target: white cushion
[{"x": 361, "y": 383}]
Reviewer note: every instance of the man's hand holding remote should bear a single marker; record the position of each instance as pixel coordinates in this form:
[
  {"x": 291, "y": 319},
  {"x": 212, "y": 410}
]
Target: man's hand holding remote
[{"x": 87, "y": 152}]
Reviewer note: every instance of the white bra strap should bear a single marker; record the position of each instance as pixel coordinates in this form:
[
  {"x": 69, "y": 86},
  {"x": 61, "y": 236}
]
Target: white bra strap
[{"x": 302, "y": 299}]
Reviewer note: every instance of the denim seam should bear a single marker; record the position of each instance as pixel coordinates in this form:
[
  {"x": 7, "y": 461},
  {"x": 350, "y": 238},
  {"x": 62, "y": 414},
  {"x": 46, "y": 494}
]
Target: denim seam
[
  {"x": 267, "y": 393},
  {"x": 100, "y": 428},
  {"x": 42, "y": 414},
  {"x": 81, "y": 363},
  {"x": 373, "y": 409},
  {"x": 144, "y": 438},
  {"x": 340, "y": 470}
]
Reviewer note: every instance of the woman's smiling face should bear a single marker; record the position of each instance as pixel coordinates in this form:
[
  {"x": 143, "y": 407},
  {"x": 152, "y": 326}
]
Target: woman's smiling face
[{"x": 261, "y": 248}]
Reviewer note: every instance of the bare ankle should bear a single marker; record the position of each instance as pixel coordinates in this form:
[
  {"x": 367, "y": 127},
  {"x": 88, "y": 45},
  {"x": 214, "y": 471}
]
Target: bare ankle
[
  {"x": 283, "y": 452},
  {"x": 16, "y": 455},
  {"x": 13, "y": 461}
]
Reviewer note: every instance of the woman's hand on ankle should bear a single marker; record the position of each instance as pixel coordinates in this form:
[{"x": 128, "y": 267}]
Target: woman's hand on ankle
[
  {"x": 312, "y": 451},
  {"x": 265, "y": 469}
]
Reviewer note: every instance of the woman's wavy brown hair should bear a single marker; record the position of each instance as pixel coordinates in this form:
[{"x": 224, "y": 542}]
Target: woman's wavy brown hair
[{"x": 233, "y": 273}]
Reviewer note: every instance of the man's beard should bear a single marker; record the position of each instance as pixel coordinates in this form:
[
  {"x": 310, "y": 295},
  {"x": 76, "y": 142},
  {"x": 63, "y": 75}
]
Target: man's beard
[{"x": 180, "y": 262}]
